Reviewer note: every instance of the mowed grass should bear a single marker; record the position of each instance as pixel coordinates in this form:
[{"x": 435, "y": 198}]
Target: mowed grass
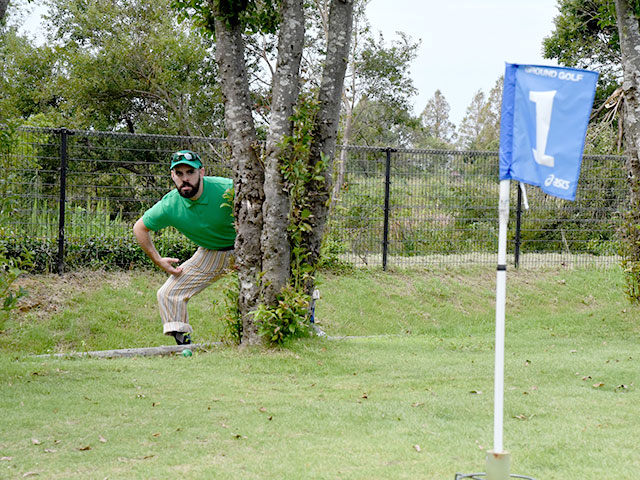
[{"x": 411, "y": 397}]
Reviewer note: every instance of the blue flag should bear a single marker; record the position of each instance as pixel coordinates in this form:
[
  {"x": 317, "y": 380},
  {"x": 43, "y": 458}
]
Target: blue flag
[{"x": 545, "y": 112}]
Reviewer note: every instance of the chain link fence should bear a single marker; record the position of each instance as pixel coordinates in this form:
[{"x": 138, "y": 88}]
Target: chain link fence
[
  {"x": 71, "y": 198},
  {"x": 442, "y": 208}
]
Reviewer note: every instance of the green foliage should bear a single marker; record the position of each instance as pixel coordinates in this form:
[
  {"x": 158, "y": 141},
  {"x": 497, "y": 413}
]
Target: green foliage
[
  {"x": 9, "y": 295},
  {"x": 630, "y": 253},
  {"x": 25, "y": 71},
  {"x": 9, "y": 264},
  {"x": 287, "y": 319},
  {"x": 108, "y": 252},
  {"x": 377, "y": 96},
  {"x": 253, "y": 16},
  {"x": 300, "y": 180},
  {"x": 586, "y": 36},
  {"x": 330, "y": 257},
  {"x": 112, "y": 66},
  {"x": 231, "y": 318}
]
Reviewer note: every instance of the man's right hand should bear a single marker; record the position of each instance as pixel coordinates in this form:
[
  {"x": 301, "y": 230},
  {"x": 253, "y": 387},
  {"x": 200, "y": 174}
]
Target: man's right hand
[
  {"x": 143, "y": 236},
  {"x": 166, "y": 264}
]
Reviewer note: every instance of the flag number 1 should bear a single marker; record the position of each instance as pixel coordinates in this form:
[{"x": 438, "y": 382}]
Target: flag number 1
[{"x": 544, "y": 106}]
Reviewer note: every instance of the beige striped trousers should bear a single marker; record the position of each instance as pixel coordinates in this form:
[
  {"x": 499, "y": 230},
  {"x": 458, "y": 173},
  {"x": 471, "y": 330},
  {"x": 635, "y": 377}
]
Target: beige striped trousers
[{"x": 201, "y": 270}]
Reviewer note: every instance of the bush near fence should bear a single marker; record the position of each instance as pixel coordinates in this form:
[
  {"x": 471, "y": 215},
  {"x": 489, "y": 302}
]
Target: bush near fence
[{"x": 441, "y": 205}]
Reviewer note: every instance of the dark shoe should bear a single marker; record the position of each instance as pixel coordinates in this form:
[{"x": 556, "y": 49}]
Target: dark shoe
[{"x": 182, "y": 338}]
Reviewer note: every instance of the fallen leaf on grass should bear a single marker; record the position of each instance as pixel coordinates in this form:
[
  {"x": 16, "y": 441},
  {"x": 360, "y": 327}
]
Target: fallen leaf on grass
[
  {"x": 84, "y": 449},
  {"x": 522, "y": 416},
  {"x": 157, "y": 434}
]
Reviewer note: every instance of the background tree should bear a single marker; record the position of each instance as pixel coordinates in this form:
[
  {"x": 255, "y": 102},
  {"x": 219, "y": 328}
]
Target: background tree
[
  {"x": 439, "y": 131},
  {"x": 471, "y": 125},
  {"x": 480, "y": 127},
  {"x": 586, "y": 36},
  {"x": 378, "y": 88},
  {"x": 24, "y": 74},
  {"x": 128, "y": 65}
]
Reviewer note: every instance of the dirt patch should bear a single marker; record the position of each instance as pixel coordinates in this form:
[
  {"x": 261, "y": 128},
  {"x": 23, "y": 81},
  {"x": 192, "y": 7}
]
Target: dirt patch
[{"x": 49, "y": 293}]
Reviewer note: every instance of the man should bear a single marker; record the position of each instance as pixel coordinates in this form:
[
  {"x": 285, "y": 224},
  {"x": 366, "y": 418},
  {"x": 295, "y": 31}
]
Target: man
[{"x": 197, "y": 208}]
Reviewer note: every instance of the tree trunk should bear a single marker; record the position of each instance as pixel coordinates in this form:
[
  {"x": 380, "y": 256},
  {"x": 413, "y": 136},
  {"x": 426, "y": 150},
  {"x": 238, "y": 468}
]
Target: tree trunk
[
  {"x": 629, "y": 33},
  {"x": 276, "y": 252},
  {"x": 326, "y": 128},
  {"x": 248, "y": 170},
  {"x": 3, "y": 9}
]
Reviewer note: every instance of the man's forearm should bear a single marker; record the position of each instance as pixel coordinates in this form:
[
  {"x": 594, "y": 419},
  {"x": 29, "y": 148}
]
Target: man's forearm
[{"x": 143, "y": 236}]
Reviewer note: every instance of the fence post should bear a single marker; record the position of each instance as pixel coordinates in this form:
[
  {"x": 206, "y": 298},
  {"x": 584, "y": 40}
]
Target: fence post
[
  {"x": 64, "y": 133},
  {"x": 518, "y": 218},
  {"x": 387, "y": 189}
]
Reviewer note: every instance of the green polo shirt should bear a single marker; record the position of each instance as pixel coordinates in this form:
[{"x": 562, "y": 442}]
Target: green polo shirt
[{"x": 207, "y": 221}]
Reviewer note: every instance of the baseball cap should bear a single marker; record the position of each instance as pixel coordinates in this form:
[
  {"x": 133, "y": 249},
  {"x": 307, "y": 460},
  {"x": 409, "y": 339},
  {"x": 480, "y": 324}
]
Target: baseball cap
[{"x": 187, "y": 157}]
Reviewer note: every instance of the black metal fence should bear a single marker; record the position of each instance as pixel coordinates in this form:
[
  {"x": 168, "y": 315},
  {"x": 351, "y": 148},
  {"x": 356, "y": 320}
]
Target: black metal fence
[{"x": 76, "y": 194}]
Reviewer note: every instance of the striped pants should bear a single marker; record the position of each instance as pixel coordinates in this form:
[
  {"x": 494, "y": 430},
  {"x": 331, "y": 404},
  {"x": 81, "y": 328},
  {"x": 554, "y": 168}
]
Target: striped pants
[{"x": 201, "y": 270}]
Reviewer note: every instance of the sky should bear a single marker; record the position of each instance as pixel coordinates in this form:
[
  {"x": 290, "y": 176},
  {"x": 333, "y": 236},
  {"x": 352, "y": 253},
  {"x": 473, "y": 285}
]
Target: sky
[{"x": 465, "y": 43}]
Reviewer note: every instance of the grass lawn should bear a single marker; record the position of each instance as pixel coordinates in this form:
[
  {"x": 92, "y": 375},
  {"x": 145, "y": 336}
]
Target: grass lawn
[{"x": 412, "y": 397}]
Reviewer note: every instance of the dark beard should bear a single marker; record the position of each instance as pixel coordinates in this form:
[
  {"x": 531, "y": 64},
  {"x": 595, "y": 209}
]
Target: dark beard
[{"x": 191, "y": 193}]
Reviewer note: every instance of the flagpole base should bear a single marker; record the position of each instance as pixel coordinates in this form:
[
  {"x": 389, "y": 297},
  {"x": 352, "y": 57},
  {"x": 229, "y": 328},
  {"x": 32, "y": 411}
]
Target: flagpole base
[{"x": 498, "y": 465}]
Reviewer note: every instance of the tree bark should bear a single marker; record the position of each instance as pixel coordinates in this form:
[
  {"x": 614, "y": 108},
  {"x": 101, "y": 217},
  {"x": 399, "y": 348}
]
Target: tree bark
[
  {"x": 248, "y": 170},
  {"x": 326, "y": 128},
  {"x": 629, "y": 33},
  {"x": 629, "y": 40},
  {"x": 276, "y": 252},
  {"x": 3, "y": 9}
]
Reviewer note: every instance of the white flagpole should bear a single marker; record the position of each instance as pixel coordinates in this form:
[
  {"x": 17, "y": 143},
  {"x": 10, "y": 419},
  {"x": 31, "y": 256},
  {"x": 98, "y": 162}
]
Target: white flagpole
[
  {"x": 498, "y": 459},
  {"x": 501, "y": 289}
]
